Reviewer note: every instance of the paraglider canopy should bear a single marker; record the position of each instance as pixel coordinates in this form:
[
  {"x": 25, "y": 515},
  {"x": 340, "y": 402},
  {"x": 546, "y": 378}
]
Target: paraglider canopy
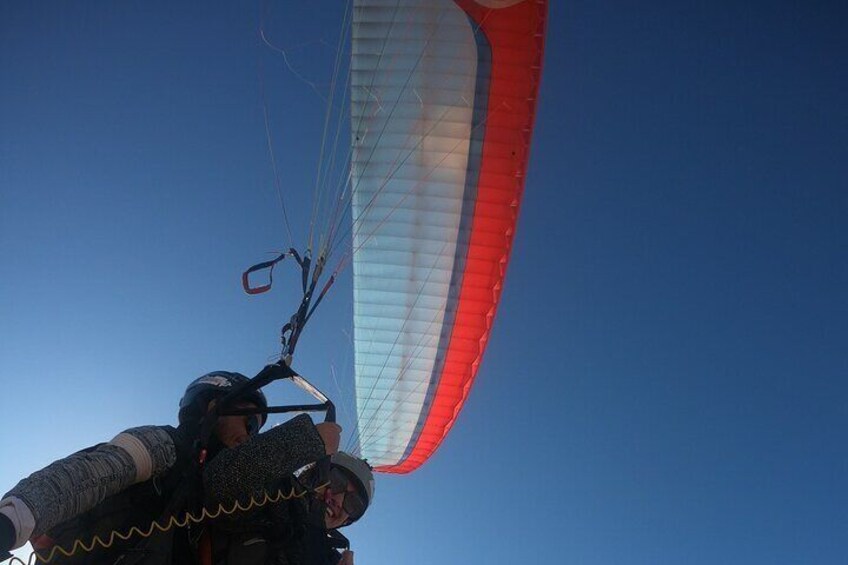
[
  {"x": 442, "y": 104},
  {"x": 443, "y": 98}
]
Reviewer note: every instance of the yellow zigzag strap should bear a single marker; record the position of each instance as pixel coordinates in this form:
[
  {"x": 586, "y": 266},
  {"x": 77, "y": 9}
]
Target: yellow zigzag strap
[{"x": 173, "y": 522}]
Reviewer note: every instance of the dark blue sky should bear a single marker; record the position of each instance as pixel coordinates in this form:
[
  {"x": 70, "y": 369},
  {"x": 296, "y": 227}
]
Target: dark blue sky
[{"x": 666, "y": 380}]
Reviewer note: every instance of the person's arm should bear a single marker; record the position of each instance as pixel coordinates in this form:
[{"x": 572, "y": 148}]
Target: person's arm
[
  {"x": 248, "y": 470},
  {"x": 75, "y": 484}
]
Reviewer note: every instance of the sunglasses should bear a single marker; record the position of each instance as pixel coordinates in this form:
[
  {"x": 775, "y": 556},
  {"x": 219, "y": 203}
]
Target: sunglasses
[
  {"x": 353, "y": 503},
  {"x": 254, "y": 423}
]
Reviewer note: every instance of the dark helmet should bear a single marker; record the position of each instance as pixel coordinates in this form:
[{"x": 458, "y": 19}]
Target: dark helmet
[{"x": 202, "y": 391}]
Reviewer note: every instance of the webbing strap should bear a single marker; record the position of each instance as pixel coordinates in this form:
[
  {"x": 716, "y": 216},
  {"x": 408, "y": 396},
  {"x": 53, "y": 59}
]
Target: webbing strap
[{"x": 310, "y": 274}]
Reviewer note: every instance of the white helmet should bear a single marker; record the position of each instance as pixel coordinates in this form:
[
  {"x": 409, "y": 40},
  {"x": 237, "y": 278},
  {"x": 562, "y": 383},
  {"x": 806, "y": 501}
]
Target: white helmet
[{"x": 358, "y": 470}]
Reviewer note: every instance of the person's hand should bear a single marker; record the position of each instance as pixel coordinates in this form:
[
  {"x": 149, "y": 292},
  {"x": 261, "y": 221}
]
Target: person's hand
[
  {"x": 347, "y": 558},
  {"x": 331, "y": 434},
  {"x": 7, "y": 537}
]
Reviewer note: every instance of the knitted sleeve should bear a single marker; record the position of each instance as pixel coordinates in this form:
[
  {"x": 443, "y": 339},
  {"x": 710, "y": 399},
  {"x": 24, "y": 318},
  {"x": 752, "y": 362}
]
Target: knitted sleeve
[{"x": 68, "y": 487}]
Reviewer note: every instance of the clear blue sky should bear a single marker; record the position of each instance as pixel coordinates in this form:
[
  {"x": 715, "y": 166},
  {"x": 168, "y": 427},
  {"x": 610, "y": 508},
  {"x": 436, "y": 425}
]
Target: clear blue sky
[{"x": 666, "y": 381}]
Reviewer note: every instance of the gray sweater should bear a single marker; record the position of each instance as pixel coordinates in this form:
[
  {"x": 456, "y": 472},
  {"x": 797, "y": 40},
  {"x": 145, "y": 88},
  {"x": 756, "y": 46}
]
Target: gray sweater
[{"x": 71, "y": 486}]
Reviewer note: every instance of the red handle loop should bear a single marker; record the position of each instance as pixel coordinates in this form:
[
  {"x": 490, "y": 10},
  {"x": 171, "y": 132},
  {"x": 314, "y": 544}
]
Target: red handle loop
[{"x": 245, "y": 277}]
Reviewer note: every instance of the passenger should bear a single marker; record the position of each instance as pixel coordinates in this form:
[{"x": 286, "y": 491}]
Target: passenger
[{"x": 299, "y": 530}]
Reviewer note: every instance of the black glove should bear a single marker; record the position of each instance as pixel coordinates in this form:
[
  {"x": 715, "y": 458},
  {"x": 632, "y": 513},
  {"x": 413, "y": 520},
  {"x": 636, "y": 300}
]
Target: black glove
[{"x": 7, "y": 537}]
